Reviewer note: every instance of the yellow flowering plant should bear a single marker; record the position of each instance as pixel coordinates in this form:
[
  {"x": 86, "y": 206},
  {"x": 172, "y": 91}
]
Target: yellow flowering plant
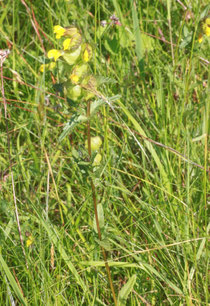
[
  {"x": 81, "y": 86},
  {"x": 76, "y": 54}
]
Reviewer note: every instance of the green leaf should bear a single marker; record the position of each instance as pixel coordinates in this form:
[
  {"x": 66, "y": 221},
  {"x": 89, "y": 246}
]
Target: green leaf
[
  {"x": 149, "y": 43},
  {"x": 187, "y": 40},
  {"x": 100, "y": 31},
  {"x": 100, "y": 218},
  {"x": 102, "y": 80},
  {"x": 95, "y": 106},
  {"x": 125, "y": 37},
  {"x": 126, "y": 290},
  {"x": 105, "y": 244},
  {"x": 74, "y": 121},
  {"x": 204, "y": 12},
  {"x": 112, "y": 45}
]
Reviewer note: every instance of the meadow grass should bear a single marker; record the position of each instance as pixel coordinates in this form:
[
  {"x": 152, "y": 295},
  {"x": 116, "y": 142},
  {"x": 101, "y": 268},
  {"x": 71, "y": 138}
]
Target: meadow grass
[{"x": 152, "y": 182}]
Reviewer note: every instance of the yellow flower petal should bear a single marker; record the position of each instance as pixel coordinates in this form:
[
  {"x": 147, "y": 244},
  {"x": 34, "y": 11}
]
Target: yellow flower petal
[
  {"x": 53, "y": 53},
  {"x": 87, "y": 52},
  {"x": 59, "y": 31},
  {"x": 42, "y": 68},
  {"x": 207, "y": 21},
  {"x": 74, "y": 78},
  {"x": 86, "y": 56},
  {"x": 66, "y": 43},
  {"x": 206, "y": 27},
  {"x": 207, "y": 31}
]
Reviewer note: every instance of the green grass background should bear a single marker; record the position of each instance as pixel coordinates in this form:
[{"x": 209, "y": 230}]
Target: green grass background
[{"x": 153, "y": 211}]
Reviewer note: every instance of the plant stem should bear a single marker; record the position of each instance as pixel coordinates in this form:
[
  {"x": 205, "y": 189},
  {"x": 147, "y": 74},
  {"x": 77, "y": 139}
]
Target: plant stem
[{"x": 96, "y": 211}]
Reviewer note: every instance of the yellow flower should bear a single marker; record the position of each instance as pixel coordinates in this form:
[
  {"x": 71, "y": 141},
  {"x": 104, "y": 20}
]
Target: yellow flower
[
  {"x": 53, "y": 53},
  {"x": 206, "y": 27},
  {"x": 29, "y": 241},
  {"x": 42, "y": 68},
  {"x": 207, "y": 31},
  {"x": 66, "y": 43},
  {"x": 74, "y": 78},
  {"x": 207, "y": 21},
  {"x": 59, "y": 31}
]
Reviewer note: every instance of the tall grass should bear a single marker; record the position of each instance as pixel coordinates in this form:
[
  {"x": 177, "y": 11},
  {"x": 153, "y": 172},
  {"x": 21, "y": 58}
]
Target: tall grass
[{"x": 152, "y": 183}]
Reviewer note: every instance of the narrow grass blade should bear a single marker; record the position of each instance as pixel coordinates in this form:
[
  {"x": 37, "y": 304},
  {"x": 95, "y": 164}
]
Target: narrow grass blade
[
  {"x": 138, "y": 38},
  {"x": 149, "y": 146},
  {"x": 12, "y": 281},
  {"x": 53, "y": 236}
]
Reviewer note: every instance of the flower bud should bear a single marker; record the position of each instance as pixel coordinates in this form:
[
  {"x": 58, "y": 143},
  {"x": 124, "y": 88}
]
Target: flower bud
[
  {"x": 95, "y": 143},
  {"x": 74, "y": 92}
]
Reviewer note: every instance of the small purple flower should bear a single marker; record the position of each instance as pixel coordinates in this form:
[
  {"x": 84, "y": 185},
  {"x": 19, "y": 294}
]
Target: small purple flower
[
  {"x": 115, "y": 20},
  {"x": 103, "y": 23}
]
